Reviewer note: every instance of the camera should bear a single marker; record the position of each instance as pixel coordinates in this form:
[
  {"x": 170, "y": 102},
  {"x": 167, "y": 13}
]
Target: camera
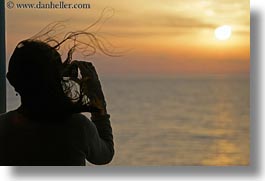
[{"x": 81, "y": 85}]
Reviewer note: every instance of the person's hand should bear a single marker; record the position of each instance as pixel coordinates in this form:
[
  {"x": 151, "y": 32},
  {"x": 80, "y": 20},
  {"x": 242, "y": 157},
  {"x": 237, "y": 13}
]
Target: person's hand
[{"x": 91, "y": 86}]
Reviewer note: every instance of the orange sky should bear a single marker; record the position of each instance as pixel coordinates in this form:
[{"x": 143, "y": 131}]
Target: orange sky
[{"x": 164, "y": 36}]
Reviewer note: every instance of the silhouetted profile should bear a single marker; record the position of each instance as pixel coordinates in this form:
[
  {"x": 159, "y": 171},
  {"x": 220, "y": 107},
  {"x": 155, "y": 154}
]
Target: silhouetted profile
[{"x": 48, "y": 129}]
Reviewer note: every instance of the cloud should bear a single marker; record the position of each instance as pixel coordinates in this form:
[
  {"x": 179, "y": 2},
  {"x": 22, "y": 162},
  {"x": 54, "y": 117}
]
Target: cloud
[
  {"x": 182, "y": 30},
  {"x": 144, "y": 18}
]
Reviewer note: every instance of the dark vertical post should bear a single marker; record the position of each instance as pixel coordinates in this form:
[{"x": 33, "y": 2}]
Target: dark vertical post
[{"x": 2, "y": 58}]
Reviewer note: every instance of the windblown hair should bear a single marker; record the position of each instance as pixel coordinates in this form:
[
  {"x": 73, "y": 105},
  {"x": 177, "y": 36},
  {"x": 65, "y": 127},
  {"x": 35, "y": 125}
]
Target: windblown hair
[
  {"x": 87, "y": 41},
  {"x": 42, "y": 78}
]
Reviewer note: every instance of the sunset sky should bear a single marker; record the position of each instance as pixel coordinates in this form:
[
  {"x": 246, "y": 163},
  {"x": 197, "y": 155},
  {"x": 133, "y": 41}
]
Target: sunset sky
[{"x": 163, "y": 36}]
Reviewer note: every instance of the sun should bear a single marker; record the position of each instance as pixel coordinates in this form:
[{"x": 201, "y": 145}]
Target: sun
[{"x": 223, "y": 32}]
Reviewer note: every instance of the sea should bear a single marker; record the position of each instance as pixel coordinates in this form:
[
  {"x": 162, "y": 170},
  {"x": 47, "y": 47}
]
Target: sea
[{"x": 176, "y": 120}]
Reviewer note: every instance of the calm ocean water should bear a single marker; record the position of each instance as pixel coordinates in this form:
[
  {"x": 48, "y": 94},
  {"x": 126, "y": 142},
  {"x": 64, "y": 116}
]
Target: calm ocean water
[{"x": 177, "y": 120}]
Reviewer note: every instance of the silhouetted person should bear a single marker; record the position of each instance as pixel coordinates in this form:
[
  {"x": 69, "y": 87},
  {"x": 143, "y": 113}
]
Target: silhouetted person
[{"x": 48, "y": 129}]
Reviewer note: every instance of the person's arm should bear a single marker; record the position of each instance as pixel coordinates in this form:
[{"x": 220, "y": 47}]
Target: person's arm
[{"x": 101, "y": 145}]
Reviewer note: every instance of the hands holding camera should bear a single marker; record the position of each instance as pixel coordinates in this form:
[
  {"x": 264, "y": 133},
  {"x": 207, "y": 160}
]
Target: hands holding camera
[{"x": 91, "y": 87}]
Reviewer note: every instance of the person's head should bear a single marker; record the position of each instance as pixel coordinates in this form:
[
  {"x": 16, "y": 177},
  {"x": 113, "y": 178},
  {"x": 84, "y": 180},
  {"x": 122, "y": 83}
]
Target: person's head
[
  {"x": 35, "y": 72},
  {"x": 36, "y": 69}
]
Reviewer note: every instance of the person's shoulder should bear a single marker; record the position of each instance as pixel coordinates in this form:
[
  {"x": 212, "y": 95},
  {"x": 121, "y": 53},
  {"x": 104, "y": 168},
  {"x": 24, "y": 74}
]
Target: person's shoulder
[
  {"x": 80, "y": 119},
  {"x": 82, "y": 122},
  {"x": 5, "y": 117}
]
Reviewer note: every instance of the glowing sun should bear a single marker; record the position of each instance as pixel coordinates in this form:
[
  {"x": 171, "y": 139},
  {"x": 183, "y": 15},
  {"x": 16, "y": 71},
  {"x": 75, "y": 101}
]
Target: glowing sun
[{"x": 223, "y": 32}]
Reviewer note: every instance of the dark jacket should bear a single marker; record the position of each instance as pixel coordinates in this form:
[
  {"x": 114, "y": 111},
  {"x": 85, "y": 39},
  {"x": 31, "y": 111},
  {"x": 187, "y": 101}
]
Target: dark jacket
[{"x": 67, "y": 142}]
